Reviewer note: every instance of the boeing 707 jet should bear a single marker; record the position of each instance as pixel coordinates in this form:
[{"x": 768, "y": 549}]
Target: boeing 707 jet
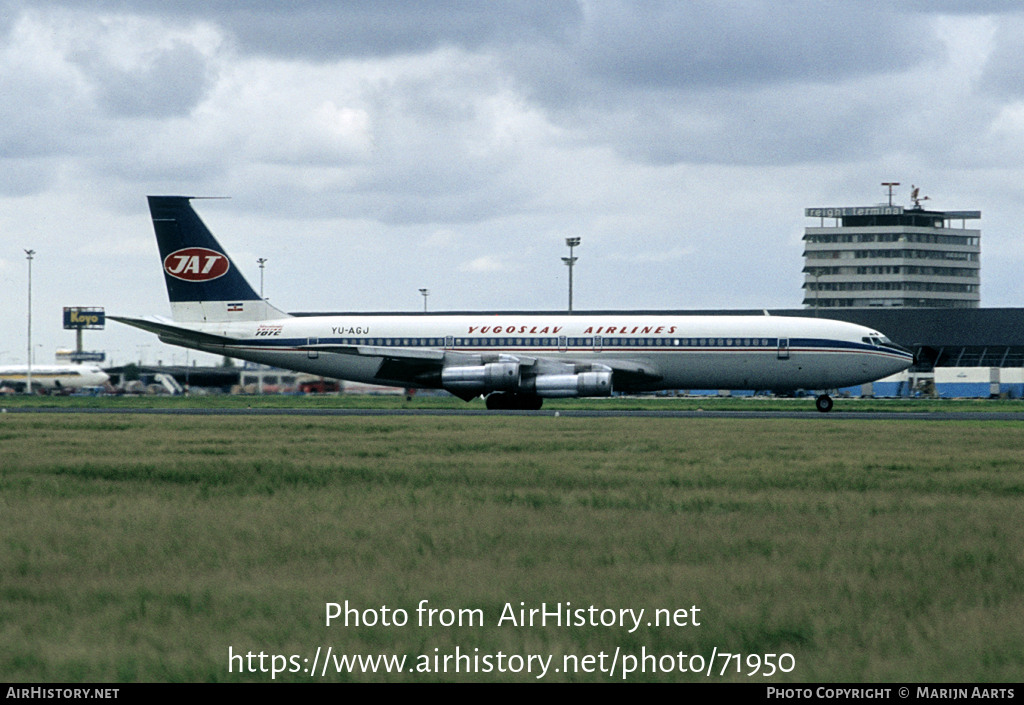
[{"x": 514, "y": 360}]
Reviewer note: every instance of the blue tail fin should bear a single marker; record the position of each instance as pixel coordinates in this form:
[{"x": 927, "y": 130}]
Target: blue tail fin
[{"x": 203, "y": 283}]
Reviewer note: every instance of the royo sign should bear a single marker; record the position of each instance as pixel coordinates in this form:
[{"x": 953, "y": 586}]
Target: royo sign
[{"x": 196, "y": 264}]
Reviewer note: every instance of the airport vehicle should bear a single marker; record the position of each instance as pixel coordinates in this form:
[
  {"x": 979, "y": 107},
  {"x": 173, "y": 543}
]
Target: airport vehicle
[
  {"x": 53, "y": 377},
  {"x": 515, "y": 360}
]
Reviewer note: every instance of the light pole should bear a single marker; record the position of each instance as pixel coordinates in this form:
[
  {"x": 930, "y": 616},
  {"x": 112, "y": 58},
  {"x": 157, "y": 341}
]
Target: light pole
[
  {"x": 817, "y": 288},
  {"x": 262, "y": 261},
  {"x": 570, "y": 261},
  {"x": 29, "y": 253},
  {"x": 426, "y": 293}
]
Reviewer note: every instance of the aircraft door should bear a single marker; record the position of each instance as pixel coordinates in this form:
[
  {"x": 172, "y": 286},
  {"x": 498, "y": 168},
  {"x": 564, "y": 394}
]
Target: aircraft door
[
  {"x": 783, "y": 348},
  {"x": 313, "y": 354},
  {"x": 563, "y": 345},
  {"x": 597, "y": 343}
]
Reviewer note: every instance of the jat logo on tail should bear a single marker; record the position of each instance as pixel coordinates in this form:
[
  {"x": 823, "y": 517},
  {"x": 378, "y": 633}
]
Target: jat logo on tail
[{"x": 196, "y": 264}]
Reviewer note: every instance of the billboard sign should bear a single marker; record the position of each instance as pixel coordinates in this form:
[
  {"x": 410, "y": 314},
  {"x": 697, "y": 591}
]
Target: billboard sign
[
  {"x": 87, "y": 357},
  {"x": 76, "y": 318}
]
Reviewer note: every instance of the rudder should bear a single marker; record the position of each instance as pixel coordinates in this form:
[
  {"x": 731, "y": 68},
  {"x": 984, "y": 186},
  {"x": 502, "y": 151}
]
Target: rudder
[{"x": 203, "y": 283}]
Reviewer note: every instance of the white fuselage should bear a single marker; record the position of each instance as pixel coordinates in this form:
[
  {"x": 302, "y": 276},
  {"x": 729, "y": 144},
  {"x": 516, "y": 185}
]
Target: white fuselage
[
  {"x": 55, "y": 376},
  {"x": 672, "y": 352}
]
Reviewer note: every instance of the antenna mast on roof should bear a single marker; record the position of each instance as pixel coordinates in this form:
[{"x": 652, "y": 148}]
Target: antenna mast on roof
[
  {"x": 916, "y": 197},
  {"x": 890, "y": 184}
]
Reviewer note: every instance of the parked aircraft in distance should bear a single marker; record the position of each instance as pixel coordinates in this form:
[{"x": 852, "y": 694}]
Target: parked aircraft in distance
[
  {"x": 53, "y": 377},
  {"x": 515, "y": 360}
]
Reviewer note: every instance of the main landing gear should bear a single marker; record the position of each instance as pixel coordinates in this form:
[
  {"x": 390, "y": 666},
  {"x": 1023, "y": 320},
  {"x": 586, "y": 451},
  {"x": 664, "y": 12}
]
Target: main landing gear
[
  {"x": 823, "y": 403},
  {"x": 511, "y": 400}
]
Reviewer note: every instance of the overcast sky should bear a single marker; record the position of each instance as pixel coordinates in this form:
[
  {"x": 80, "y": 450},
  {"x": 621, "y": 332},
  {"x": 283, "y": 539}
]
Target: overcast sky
[{"x": 373, "y": 148}]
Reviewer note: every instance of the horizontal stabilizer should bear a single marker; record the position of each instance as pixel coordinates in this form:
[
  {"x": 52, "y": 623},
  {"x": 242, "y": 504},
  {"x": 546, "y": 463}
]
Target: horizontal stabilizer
[{"x": 175, "y": 335}]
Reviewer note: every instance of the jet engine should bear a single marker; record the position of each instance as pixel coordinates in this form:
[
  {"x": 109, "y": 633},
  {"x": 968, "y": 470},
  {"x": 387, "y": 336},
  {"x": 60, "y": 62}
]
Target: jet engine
[
  {"x": 480, "y": 379},
  {"x": 584, "y": 384}
]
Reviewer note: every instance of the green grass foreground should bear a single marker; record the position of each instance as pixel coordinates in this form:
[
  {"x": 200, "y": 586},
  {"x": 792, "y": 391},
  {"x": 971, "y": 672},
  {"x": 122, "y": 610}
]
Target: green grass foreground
[
  {"x": 142, "y": 548},
  {"x": 427, "y": 401}
]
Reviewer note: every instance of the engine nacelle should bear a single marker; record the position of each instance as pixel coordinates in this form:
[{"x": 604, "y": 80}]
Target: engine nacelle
[
  {"x": 480, "y": 379},
  {"x": 584, "y": 384}
]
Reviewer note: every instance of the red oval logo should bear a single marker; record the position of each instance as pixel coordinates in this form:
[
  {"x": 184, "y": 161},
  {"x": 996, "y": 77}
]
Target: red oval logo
[{"x": 196, "y": 264}]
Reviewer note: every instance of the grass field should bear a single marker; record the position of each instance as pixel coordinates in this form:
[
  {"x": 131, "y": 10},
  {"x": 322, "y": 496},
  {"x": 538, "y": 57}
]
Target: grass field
[
  {"x": 362, "y": 401},
  {"x": 142, "y": 548}
]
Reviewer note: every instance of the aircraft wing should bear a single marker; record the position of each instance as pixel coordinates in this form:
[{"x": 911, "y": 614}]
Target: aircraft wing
[
  {"x": 627, "y": 374},
  {"x": 399, "y": 366},
  {"x": 410, "y": 365},
  {"x": 378, "y": 351},
  {"x": 631, "y": 368}
]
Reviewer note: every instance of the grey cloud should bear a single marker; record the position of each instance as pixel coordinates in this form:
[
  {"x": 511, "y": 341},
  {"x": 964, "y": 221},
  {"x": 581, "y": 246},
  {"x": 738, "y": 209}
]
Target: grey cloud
[
  {"x": 1004, "y": 71},
  {"x": 748, "y": 83},
  {"x": 666, "y": 82},
  {"x": 25, "y": 177},
  {"x": 774, "y": 126},
  {"x": 960, "y": 7},
  {"x": 669, "y": 44},
  {"x": 40, "y": 114},
  {"x": 369, "y": 28},
  {"x": 656, "y": 45},
  {"x": 331, "y": 29},
  {"x": 169, "y": 84}
]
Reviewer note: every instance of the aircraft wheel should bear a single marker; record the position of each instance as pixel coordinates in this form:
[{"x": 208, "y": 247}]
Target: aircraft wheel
[
  {"x": 823, "y": 403},
  {"x": 530, "y": 402},
  {"x": 497, "y": 400},
  {"x": 512, "y": 401},
  {"x": 525, "y": 402}
]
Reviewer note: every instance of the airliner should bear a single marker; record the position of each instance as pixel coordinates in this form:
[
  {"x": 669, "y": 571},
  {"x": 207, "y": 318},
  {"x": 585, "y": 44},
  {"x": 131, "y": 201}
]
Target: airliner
[
  {"x": 514, "y": 360},
  {"x": 54, "y": 377}
]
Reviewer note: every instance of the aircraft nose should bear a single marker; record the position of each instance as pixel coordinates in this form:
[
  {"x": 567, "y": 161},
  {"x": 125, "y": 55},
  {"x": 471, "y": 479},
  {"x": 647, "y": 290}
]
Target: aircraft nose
[
  {"x": 906, "y": 361},
  {"x": 894, "y": 364}
]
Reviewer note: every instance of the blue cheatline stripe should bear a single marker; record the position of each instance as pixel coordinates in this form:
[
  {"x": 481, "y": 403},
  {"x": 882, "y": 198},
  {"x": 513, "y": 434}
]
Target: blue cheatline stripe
[
  {"x": 542, "y": 342},
  {"x": 586, "y": 344}
]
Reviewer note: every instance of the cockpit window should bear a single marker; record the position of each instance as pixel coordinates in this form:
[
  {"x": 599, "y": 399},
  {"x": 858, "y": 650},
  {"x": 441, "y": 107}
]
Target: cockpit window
[{"x": 883, "y": 342}]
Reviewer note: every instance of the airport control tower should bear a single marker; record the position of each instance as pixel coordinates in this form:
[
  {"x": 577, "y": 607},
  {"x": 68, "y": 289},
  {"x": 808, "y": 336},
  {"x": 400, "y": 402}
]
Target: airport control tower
[{"x": 891, "y": 256}]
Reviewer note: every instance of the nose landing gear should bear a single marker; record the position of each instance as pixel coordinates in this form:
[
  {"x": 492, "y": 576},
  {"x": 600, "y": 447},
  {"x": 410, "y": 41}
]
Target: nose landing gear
[{"x": 823, "y": 403}]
